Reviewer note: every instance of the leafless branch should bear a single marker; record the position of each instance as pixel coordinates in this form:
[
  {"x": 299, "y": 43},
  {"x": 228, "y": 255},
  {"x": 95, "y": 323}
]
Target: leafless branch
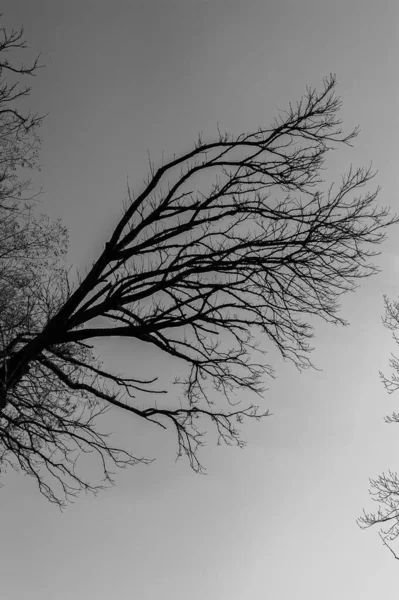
[{"x": 229, "y": 247}]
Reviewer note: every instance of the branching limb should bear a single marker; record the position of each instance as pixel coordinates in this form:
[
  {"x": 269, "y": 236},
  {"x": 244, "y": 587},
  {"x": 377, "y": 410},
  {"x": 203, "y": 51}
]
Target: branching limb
[{"x": 232, "y": 246}]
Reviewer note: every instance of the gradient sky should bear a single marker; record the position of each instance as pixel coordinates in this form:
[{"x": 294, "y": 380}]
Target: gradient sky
[{"x": 276, "y": 520}]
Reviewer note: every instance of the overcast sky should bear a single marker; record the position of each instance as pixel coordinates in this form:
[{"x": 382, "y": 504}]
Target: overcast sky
[{"x": 276, "y": 520}]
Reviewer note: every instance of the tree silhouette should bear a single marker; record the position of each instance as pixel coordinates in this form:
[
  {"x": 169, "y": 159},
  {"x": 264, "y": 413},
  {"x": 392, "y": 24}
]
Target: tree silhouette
[
  {"x": 30, "y": 247},
  {"x": 233, "y": 243},
  {"x": 384, "y": 489}
]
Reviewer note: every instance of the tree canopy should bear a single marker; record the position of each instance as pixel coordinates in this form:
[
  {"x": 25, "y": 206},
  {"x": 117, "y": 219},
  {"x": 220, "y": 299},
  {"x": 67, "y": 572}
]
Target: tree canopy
[{"x": 237, "y": 241}]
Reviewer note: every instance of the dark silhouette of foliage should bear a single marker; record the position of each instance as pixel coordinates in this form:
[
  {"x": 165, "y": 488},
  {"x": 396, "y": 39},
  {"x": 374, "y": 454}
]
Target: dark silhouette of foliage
[
  {"x": 231, "y": 244},
  {"x": 31, "y": 247}
]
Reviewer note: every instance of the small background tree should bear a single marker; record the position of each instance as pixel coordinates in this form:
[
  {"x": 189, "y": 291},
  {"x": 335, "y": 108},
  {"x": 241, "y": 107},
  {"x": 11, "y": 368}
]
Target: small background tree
[{"x": 384, "y": 489}]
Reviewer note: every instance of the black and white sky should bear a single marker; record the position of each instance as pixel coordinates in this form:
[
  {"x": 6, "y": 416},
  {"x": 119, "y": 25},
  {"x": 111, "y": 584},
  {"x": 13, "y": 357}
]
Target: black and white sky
[{"x": 277, "y": 520}]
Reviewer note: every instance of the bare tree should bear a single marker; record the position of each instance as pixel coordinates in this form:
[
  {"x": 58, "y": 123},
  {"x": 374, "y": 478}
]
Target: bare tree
[
  {"x": 19, "y": 142},
  {"x": 232, "y": 244},
  {"x": 31, "y": 247},
  {"x": 384, "y": 489}
]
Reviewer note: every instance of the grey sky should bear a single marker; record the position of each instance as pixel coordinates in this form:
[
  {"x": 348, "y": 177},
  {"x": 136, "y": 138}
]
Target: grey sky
[{"x": 276, "y": 520}]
